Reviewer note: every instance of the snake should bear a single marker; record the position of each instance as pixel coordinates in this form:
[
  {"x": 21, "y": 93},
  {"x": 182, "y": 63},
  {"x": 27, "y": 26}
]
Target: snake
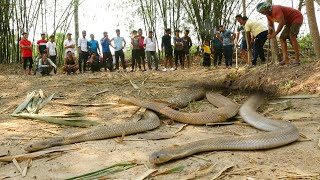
[
  {"x": 226, "y": 109},
  {"x": 278, "y": 133},
  {"x": 149, "y": 121}
]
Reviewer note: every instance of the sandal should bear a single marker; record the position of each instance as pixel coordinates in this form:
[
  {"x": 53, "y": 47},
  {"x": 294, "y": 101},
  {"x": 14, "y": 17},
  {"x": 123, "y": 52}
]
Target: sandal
[{"x": 296, "y": 63}]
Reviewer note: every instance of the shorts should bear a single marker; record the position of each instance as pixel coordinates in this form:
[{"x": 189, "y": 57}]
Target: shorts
[
  {"x": 243, "y": 44},
  {"x": 142, "y": 54},
  {"x": 290, "y": 30},
  {"x": 168, "y": 52}
]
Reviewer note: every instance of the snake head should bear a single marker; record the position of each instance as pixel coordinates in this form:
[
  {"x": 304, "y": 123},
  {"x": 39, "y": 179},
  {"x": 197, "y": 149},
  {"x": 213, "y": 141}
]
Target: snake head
[
  {"x": 160, "y": 157},
  {"x": 38, "y": 145}
]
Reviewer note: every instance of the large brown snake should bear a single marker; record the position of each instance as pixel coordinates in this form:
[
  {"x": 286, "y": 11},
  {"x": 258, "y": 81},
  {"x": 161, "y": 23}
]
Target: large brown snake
[{"x": 280, "y": 133}]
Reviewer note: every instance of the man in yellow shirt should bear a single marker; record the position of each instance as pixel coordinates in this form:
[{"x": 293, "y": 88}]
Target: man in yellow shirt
[
  {"x": 206, "y": 53},
  {"x": 257, "y": 35}
]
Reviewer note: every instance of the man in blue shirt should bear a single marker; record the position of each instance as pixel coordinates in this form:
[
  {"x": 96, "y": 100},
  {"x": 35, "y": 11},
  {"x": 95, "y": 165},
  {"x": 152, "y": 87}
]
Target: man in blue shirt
[
  {"x": 93, "y": 45},
  {"x": 119, "y": 44},
  {"x": 227, "y": 41},
  {"x": 107, "y": 56}
]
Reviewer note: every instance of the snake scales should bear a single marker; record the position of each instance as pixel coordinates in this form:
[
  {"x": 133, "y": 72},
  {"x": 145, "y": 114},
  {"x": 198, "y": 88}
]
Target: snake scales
[
  {"x": 148, "y": 122},
  {"x": 280, "y": 133}
]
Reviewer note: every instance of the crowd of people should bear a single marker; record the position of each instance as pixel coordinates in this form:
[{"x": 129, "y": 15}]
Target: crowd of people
[{"x": 254, "y": 35}]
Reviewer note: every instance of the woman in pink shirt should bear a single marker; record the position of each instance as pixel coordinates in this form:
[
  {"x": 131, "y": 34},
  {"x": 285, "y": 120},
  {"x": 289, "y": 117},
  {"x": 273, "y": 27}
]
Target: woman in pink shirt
[{"x": 290, "y": 20}]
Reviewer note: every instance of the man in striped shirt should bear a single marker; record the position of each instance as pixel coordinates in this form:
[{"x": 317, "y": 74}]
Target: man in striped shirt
[{"x": 257, "y": 35}]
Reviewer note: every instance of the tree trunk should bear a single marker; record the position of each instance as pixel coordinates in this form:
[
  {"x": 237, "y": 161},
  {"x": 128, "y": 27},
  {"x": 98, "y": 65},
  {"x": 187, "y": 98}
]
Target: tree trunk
[
  {"x": 314, "y": 32},
  {"x": 274, "y": 47},
  {"x": 300, "y": 4},
  {"x": 244, "y": 8},
  {"x": 76, "y": 19}
]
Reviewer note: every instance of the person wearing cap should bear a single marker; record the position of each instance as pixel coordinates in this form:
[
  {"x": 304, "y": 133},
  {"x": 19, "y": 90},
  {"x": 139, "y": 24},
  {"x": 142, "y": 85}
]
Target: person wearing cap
[
  {"x": 243, "y": 40},
  {"x": 142, "y": 49},
  {"x": 52, "y": 51},
  {"x": 187, "y": 43},
  {"x": 290, "y": 21},
  {"x": 70, "y": 64},
  {"x": 119, "y": 44},
  {"x": 217, "y": 49},
  {"x": 167, "y": 47},
  {"x": 151, "y": 49},
  {"x": 136, "y": 57},
  {"x": 83, "y": 50},
  {"x": 107, "y": 56},
  {"x": 26, "y": 52},
  {"x": 227, "y": 37},
  {"x": 178, "y": 49},
  {"x": 256, "y": 34},
  {"x": 46, "y": 65},
  {"x": 69, "y": 44}
]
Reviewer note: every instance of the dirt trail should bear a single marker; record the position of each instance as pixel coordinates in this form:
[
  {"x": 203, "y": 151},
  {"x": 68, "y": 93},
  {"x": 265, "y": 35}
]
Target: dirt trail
[{"x": 297, "y": 160}]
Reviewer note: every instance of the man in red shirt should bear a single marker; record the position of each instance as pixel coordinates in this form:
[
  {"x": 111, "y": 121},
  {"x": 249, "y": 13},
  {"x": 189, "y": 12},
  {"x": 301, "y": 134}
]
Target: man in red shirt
[
  {"x": 26, "y": 49},
  {"x": 289, "y": 18}
]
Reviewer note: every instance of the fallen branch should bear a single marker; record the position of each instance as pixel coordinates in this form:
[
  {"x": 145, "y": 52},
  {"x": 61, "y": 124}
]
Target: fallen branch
[
  {"x": 67, "y": 122},
  {"x": 101, "y": 92},
  {"x": 33, "y": 155},
  {"x": 24, "y": 172},
  {"x": 15, "y": 162},
  {"x": 145, "y": 174},
  {"x": 89, "y": 105},
  {"x": 299, "y": 97},
  {"x": 134, "y": 85},
  {"x": 181, "y": 128},
  {"x": 106, "y": 171},
  {"x": 216, "y": 176},
  {"x": 170, "y": 171},
  {"x": 24, "y": 104}
]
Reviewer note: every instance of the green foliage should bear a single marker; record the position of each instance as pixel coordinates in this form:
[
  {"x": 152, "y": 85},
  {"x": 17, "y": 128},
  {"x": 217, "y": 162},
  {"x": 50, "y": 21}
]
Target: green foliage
[{"x": 305, "y": 42}]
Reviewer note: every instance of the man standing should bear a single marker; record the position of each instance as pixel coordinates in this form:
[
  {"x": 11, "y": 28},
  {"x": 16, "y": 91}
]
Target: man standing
[
  {"x": 150, "y": 43},
  {"x": 142, "y": 50},
  {"x": 93, "y": 45},
  {"x": 243, "y": 42},
  {"x": 217, "y": 48},
  {"x": 256, "y": 34},
  {"x": 119, "y": 44},
  {"x": 289, "y": 18},
  {"x": 178, "y": 49},
  {"x": 135, "y": 57},
  {"x": 26, "y": 51},
  {"x": 46, "y": 65},
  {"x": 83, "y": 50},
  {"x": 52, "y": 51},
  {"x": 107, "y": 56},
  {"x": 187, "y": 43},
  {"x": 42, "y": 45},
  {"x": 227, "y": 37},
  {"x": 167, "y": 47},
  {"x": 69, "y": 45}
]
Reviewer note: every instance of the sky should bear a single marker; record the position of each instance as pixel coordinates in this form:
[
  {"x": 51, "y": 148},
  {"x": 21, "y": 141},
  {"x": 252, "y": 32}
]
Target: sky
[{"x": 96, "y": 16}]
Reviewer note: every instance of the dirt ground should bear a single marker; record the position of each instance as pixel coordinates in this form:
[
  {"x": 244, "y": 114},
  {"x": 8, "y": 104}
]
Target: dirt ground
[{"x": 299, "y": 160}]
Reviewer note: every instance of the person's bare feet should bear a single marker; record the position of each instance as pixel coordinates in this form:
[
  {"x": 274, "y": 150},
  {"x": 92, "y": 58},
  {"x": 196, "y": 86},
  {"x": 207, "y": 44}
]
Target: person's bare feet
[{"x": 282, "y": 63}]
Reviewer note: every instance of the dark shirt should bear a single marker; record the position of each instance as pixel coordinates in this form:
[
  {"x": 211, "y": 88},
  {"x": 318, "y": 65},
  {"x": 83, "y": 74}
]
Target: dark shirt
[
  {"x": 217, "y": 44},
  {"x": 166, "y": 42},
  {"x": 70, "y": 61},
  {"x": 187, "y": 43}
]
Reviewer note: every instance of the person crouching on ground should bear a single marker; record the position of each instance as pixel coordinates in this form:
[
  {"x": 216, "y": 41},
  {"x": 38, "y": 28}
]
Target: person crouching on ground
[
  {"x": 70, "y": 64},
  {"x": 95, "y": 62},
  {"x": 46, "y": 65},
  {"x": 206, "y": 53},
  {"x": 289, "y": 18}
]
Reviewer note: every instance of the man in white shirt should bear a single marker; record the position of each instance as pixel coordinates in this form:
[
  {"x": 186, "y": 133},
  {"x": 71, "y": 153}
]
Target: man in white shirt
[
  {"x": 46, "y": 65},
  {"x": 69, "y": 44},
  {"x": 83, "y": 50},
  {"x": 150, "y": 44},
  {"x": 52, "y": 51}
]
